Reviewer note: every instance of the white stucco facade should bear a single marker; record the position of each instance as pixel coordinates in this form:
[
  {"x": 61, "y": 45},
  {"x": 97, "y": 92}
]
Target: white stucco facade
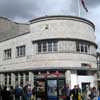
[{"x": 67, "y": 31}]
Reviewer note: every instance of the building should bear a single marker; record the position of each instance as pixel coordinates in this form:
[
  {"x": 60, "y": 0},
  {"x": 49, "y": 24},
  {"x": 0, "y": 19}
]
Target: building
[
  {"x": 98, "y": 71},
  {"x": 48, "y": 52}
]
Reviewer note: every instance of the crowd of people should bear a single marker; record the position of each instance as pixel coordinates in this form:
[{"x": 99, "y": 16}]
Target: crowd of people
[
  {"x": 29, "y": 93},
  {"x": 19, "y": 93},
  {"x": 77, "y": 94}
]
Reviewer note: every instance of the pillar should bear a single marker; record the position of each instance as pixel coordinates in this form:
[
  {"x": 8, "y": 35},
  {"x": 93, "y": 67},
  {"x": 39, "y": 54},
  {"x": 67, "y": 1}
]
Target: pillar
[
  {"x": 31, "y": 79},
  {"x": 8, "y": 80},
  {"x": 19, "y": 78},
  {"x": 68, "y": 77},
  {"x": 13, "y": 80},
  {"x": 2, "y": 79},
  {"x": 74, "y": 79},
  {"x": 95, "y": 80},
  {"x": 24, "y": 79}
]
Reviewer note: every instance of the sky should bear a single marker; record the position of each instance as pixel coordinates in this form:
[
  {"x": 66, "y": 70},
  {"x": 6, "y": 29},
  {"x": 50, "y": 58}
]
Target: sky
[{"x": 24, "y": 10}]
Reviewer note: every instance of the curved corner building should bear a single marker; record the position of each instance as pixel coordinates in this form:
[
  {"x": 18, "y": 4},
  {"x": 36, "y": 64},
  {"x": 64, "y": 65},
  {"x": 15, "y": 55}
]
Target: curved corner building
[{"x": 53, "y": 51}]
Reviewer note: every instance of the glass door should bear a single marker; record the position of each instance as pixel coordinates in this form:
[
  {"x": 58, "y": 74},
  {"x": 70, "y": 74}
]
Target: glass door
[
  {"x": 51, "y": 89},
  {"x": 61, "y": 89}
]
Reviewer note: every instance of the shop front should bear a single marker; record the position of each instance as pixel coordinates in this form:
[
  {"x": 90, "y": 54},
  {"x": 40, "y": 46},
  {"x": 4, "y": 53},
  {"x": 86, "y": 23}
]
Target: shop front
[{"x": 50, "y": 86}]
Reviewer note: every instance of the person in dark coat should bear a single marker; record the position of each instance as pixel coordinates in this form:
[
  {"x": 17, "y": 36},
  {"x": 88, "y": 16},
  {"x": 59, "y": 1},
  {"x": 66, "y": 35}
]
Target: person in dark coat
[
  {"x": 18, "y": 92},
  {"x": 68, "y": 92},
  {"x": 11, "y": 93},
  {"x": 4, "y": 93},
  {"x": 74, "y": 93}
]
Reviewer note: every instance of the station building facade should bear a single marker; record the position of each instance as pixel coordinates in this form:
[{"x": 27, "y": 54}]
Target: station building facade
[{"x": 48, "y": 52}]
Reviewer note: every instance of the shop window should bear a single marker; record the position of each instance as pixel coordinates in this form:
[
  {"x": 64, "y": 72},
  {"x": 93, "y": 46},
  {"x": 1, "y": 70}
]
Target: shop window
[
  {"x": 7, "y": 54},
  {"x": 20, "y": 51}
]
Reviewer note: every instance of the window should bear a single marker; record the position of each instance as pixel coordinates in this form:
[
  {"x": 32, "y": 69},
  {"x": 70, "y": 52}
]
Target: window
[
  {"x": 86, "y": 65},
  {"x": 47, "y": 46},
  {"x": 83, "y": 47},
  {"x": 20, "y": 51},
  {"x": 7, "y": 54}
]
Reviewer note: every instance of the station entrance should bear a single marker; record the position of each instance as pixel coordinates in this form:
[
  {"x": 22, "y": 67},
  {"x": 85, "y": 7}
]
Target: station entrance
[{"x": 50, "y": 88}]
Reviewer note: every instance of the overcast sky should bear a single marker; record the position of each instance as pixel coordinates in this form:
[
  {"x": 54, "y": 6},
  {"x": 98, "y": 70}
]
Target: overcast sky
[{"x": 24, "y": 10}]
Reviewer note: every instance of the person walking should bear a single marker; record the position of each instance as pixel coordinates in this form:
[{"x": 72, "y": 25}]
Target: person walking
[
  {"x": 11, "y": 93},
  {"x": 68, "y": 92},
  {"x": 4, "y": 93},
  {"x": 18, "y": 92},
  {"x": 74, "y": 93},
  {"x": 79, "y": 93},
  {"x": 95, "y": 94},
  {"x": 33, "y": 97},
  {"x": 29, "y": 92}
]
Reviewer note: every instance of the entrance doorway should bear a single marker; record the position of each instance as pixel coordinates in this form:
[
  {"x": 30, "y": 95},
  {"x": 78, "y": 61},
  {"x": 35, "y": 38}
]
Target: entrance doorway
[
  {"x": 50, "y": 89},
  {"x": 85, "y": 86}
]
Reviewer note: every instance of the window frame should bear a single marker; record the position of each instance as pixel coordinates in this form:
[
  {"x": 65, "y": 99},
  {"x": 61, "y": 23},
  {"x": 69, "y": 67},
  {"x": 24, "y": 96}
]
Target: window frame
[
  {"x": 83, "y": 47},
  {"x": 47, "y": 46},
  {"x": 19, "y": 51},
  {"x": 7, "y": 54}
]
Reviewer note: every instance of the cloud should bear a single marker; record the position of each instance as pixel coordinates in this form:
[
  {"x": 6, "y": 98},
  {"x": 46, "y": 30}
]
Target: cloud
[
  {"x": 93, "y": 3},
  {"x": 19, "y": 8},
  {"x": 23, "y": 10},
  {"x": 31, "y": 8},
  {"x": 94, "y": 16}
]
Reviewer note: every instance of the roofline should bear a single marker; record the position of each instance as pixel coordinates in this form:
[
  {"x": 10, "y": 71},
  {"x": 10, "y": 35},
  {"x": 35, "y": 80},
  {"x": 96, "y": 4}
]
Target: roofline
[
  {"x": 15, "y": 36},
  {"x": 5, "y": 18},
  {"x": 64, "y": 17}
]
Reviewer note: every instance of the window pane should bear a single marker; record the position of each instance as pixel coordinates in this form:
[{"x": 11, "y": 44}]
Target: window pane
[
  {"x": 20, "y": 51},
  {"x": 55, "y": 46},
  {"x": 39, "y": 47},
  {"x": 82, "y": 48},
  {"x": 7, "y": 54},
  {"x": 86, "y": 48},
  {"x": 44, "y": 47},
  {"x": 49, "y": 46}
]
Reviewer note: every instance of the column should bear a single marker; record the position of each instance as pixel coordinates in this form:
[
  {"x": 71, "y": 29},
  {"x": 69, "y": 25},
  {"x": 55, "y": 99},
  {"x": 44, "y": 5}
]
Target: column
[
  {"x": 31, "y": 79},
  {"x": 24, "y": 79},
  {"x": 13, "y": 80},
  {"x": 19, "y": 78},
  {"x": 74, "y": 78},
  {"x": 2, "y": 79},
  {"x": 68, "y": 77},
  {"x": 7, "y": 80},
  {"x": 95, "y": 80}
]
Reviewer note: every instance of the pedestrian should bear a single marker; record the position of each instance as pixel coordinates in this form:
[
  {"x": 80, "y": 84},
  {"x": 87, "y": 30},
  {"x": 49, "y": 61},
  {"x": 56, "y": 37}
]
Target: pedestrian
[
  {"x": 25, "y": 93},
  {"x": 0, "y": 92},
  {"x": 29, "y": 92},
  {"x": 88, "y": 93},
  {"x": 79, "y": 93},
  {"x": 95, "y": 94},
  {"x": 33, "y": 97},
  {"x": 68, "y": 92},
  {"x": 11, "y": 93},
  {"x": 8, "y": 93},
  {"x": 74, "y": 93},
  {"x": 18, "y": 92},
  {"x": 4, "y": 93}
]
